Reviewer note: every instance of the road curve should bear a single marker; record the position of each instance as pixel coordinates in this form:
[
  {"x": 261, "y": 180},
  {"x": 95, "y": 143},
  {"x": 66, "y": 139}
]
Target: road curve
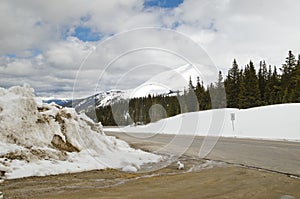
[{"x": 278, "y": 156}]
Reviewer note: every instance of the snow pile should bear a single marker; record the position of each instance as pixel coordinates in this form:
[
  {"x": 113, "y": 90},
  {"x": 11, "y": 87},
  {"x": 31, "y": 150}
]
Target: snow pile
[
  {"x": 40, "y": 139},
  {"x": 268, "y": 122}
]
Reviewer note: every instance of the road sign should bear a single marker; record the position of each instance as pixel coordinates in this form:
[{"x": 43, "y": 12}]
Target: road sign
[
  {"x": 232, "y": 120},
  {"x": 232, "y": 116}
]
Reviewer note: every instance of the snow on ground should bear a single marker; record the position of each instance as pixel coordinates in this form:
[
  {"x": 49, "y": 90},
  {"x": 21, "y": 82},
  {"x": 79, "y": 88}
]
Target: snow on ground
[
  {"x": 268, "y": 122},
  {"x": 40, "y": 139}
]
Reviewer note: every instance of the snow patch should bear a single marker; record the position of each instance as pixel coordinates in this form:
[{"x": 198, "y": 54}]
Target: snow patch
[{"x": 129, "y": 168}]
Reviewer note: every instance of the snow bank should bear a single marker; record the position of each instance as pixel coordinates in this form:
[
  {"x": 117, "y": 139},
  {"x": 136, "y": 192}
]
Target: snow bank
[
  {"x": 39, "y": 139},
  {"x": 268, "y": 122}
]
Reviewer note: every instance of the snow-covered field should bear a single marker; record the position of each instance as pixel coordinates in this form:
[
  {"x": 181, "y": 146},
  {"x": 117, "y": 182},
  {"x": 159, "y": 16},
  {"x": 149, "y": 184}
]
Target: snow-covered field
[
  {"x": 39, "y": 139},
  {"x": 269, "y": 122}
]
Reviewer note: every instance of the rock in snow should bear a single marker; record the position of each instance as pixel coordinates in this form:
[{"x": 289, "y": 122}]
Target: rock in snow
[{"x": 39, "y": 139}]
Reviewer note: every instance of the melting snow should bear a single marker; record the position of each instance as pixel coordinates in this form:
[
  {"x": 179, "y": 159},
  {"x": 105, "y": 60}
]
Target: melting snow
[{"x": 39, "y": 139}]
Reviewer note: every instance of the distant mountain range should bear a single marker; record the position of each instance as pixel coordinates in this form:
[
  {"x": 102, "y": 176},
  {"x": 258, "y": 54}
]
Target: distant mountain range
[
  {"x": 61, "y": 102},
  {"x": 168, "y": 83}
]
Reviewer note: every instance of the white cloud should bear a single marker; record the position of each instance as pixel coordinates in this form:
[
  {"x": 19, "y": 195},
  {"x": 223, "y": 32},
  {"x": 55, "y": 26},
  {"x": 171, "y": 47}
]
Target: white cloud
[
  {"x": 51, "y": 72},
  {"x": 254, "y": 30},
  {"x": 68, "y": 54},
  {"x": 226, "y": 29}
]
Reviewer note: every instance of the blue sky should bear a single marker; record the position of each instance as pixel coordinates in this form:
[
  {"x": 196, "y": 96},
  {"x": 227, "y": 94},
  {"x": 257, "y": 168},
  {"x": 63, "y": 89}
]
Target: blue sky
[
  {"x": 86, "y": 34},
  {"x": 162, "y": 3}
]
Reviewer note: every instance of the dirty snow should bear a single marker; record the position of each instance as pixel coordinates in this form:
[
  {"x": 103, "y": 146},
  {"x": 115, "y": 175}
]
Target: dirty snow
[{"x": 28, "y": 148}]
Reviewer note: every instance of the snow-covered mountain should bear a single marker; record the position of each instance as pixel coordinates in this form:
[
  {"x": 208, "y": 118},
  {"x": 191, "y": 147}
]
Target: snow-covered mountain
[
  {"x": 39, "y": 139},
  {"x": 61, "y": 102},
  {"x": 166, "y": 83},
  {"x": 176, "y": 79}
]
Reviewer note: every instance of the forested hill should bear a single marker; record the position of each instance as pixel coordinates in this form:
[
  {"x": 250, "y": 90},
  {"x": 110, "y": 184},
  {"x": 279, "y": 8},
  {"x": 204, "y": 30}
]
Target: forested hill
[{"x": 245, "y": 87}]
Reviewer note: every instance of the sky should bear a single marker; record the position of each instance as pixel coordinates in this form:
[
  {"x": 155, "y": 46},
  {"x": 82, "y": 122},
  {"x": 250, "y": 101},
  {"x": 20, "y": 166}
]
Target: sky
[{"x": 75, "y": 47}]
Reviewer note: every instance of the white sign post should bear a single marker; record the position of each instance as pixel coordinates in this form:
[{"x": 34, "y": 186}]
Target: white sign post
[{"x": 232, "y": 119}]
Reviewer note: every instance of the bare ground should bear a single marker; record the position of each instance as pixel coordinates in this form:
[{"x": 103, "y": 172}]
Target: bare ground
[{"x": 218, "y": 182}]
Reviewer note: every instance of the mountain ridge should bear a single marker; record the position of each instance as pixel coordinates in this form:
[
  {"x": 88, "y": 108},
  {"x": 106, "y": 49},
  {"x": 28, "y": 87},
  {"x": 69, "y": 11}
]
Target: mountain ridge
[{"x": 168, "y": 83}]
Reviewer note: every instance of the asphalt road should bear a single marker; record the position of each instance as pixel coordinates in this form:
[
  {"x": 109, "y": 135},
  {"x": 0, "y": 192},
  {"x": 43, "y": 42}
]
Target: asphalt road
[{"x": 279, "y": 156}]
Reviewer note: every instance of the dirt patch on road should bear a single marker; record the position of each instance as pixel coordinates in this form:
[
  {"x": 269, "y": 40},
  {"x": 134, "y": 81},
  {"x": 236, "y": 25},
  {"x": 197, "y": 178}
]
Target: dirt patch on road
[{"x": 198, "y": 180}]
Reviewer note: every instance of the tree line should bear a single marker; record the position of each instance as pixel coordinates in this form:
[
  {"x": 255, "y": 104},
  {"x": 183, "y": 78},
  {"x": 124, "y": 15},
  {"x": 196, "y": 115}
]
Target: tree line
[{"x": 241, "y": 88}]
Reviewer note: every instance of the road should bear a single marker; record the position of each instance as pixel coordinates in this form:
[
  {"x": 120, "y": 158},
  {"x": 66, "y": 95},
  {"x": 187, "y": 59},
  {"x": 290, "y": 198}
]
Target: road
[
  {"x": 279, "y": 156},
  {"x": 224, "y": 181}
]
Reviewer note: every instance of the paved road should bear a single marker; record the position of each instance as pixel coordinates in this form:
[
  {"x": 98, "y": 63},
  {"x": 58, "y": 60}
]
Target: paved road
[{"x": 281, "y": 156}]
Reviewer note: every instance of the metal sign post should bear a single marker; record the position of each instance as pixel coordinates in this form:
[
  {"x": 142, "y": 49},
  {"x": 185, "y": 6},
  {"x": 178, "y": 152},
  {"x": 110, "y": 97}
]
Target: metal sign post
[{"x": 232, "y": 120}]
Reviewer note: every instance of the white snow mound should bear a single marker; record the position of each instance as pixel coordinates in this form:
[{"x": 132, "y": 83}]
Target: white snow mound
[
  {"x": 276, "y": 122},
  {"x": 39, "y": 139}
]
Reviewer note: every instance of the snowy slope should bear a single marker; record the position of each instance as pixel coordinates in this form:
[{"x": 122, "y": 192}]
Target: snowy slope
[
  {"x": 61, "y": 102},
  {"x": 40, "y": 139},
  {"x": 268, "y": 122},
  {"x": 165, "y": 83},
  {"x": 174, "y": 80}
]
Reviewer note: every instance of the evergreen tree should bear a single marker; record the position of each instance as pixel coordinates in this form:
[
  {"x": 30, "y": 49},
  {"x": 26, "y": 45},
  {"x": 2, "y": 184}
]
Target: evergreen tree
[
  {"x": 200, "y": 94},
  {"x": 262, "y": 81},
  {"x": 295, "y": 83},
  {"x": 288, "y": 69},
  {"x": 242, "y": 91},
  {"x": 274, "y": 87},
  {"x": 232, "y": 86},
  {"x": 183, "y": 102},
  {"x": 249, "y": 95},
  {"x": 268, "y": 87},
  {"x": 218, "y": 95},
  {"x": 191, "y": 99}
]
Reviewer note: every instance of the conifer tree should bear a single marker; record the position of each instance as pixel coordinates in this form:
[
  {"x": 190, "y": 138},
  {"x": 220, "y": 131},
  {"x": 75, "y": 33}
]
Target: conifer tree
[
  {"x": 249, "y": 95},
  {"x": 191, "y": 99},
  {"x": 183, "y": 102},
  {"x": 295, "y": 82},
  {"x": 288, "y": 69},
  {"x": 218, "y": 95},
  {"x": 275, "y": 88},
  {"x": 262, "y": 80},
  {"x": 268, "y": 87},
  {"x": 242, "y": 91},
  {"x": 232, "y": 86},
  {"x": 200, "y": 94}
]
